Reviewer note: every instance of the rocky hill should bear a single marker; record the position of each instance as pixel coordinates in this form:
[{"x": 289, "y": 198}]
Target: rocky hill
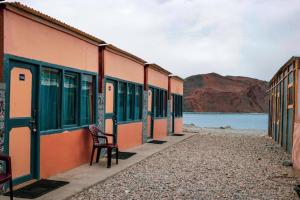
[{"x": 215, "y": 93}]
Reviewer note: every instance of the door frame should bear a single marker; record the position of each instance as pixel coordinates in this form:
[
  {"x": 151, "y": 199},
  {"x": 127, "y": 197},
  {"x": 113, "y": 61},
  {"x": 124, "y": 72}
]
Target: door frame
[
  {"x": 152, "y": 113},
  {"x": 9, "y": 124},
  {"x": 113, "y": 115}
]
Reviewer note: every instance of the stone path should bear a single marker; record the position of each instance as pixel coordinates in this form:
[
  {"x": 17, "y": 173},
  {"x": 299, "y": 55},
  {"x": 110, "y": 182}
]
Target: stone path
[{"x": 205, "y": 166}]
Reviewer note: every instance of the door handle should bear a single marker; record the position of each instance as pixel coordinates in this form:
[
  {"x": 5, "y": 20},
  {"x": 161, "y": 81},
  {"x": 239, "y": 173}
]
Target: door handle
[
  {"x": 33, "y": 122},
  {"x": 33, "y": 125},
  {"x": 114, "y": 119}
]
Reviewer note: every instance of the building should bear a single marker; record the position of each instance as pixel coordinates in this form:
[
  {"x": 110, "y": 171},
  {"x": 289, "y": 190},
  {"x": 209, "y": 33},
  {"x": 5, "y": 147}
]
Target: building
[
  {"x": 49, "y": 76},
  {"x": 121, "y": 84},
  {"x": 157, "y": 85},
  {"x": 284, "y": 114},
  {"x": 57, "y": 80}
]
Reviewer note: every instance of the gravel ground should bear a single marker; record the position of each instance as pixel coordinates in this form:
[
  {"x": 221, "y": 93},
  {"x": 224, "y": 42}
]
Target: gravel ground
[{"x": 209, "y": 165}]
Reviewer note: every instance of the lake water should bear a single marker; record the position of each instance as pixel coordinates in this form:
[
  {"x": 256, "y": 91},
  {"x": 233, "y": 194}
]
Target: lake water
[{"x": 234, "y": 120}]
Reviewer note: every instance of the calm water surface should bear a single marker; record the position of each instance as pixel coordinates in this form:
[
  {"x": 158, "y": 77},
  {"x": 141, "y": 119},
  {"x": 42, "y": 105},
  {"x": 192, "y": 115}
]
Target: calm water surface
[{"x": 234, "y": 120}]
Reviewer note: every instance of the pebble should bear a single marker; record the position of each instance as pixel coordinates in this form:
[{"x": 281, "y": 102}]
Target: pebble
[{"x": 206, "y": 166}]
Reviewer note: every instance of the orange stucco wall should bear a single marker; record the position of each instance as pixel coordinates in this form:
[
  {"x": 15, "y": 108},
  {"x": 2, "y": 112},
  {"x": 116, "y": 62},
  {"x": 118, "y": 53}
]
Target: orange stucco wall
[
  {"x": 176, "y": 86},
  {"x": 178, "y": 125},
  {"x": 27, "y": 38},
  {"x": 123, "y": 68},
  {"x": 158, "y": 79},
  {"x": 160, "y": 128},
  {"x": 64, "y": 151},
  {"x": 129, "y": 135}
]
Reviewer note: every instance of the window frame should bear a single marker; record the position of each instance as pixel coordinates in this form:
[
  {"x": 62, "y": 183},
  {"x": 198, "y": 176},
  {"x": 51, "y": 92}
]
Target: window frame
[
  {"x": 77, "y": 100},
  {"x": 127, "y": 84},
  {"x": 159, "y": 102},
  {"x": 79, "y": 124},
  {"x": 138, "y": 112},
  {"x": 130, "y": 102},
  {"x": 93, "y": 120},
  {"x": 58, "y": 115},
  {"x": 119, "y": 101},
  {"x": 178, "y": 105}
]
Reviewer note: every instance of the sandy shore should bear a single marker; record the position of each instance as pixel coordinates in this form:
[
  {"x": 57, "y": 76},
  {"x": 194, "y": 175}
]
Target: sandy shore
[
  {"x": 214, "y": 164},
  {"x": 224, "y": 130}
]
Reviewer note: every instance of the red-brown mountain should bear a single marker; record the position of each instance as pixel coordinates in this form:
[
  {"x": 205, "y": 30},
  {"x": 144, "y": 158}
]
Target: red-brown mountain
[{"x": 215, "y": 93}]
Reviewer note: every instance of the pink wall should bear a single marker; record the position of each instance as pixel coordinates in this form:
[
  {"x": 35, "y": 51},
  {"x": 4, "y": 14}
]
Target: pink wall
[
  {"x": 178, "y": 125},
  {"x": 176, "y": 86},
  {"x": 118, "y": 66},
  {"x": 158, "y": 79},
  {"x": 129, "y": 135},
  {"x": 160, "y": 128},
  {"x": 30, "y": 39},
  {"x": 64, "y": 151}
]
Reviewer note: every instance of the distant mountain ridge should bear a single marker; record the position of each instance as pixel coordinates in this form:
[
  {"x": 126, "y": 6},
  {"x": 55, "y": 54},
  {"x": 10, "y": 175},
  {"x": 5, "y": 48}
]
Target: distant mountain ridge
[{"x": 215, "y": 93}]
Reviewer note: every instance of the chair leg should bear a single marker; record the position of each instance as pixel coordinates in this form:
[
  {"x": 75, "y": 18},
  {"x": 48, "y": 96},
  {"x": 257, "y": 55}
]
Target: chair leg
[
  {"x": 117, "y": 156},
  {"x": 109, "y": 157},
  {"x": 11, "y": 189},
  {"x": 98, "y": 154},
  {"x": 92, "y": 156}
]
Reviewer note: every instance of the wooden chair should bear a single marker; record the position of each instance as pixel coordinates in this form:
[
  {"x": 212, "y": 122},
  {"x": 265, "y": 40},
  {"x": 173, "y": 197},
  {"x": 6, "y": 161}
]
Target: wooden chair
[
  {"x": 97, "y": 134},
  {"x": 7, "y": 175}
]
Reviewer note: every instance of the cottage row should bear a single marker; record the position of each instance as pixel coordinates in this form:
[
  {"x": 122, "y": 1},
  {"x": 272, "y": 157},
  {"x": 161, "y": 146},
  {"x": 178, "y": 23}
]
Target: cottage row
[
  {"x": 284, "y": 113},
  {"x": 56, "y": 80}
]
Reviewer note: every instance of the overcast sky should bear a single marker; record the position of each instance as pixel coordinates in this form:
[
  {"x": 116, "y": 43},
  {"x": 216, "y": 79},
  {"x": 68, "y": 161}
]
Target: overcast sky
[{"x": 230, "y": 37}]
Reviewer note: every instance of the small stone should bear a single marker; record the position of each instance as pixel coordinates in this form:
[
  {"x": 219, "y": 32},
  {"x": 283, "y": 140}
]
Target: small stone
[{"x": 287, "y": 163}]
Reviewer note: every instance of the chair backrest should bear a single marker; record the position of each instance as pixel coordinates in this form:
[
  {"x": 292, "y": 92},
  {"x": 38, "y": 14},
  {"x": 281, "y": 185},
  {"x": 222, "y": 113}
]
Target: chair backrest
[
  {"x": 94, "y": 132},
  {"x": 7, "y": 160}
]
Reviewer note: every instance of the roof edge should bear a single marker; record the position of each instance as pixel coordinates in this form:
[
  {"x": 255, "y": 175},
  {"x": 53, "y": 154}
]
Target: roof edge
[
  {"x": 293, "y": 58},
  {"x": 158, "y": 68},
  {"x": 176, "y": 77},
  {"x": 123, "y": 52}
]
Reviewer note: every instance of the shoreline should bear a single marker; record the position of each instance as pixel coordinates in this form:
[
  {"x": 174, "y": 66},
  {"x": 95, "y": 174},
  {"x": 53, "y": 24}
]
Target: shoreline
[
  {"x": 191, "y": 128},
  {"x": 237, "y": 113}
]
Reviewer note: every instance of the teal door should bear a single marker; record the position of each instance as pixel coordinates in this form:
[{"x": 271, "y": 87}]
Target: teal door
[{"x": 21, "y": 127}]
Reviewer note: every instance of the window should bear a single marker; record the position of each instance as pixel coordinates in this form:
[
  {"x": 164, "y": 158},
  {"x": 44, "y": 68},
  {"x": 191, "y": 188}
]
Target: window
[
  {"x": 122, "y": 102},
  {"x": 165, "y": 103},
  {"x": 177, "y": 105},
  {"x": 290, "y": 96},
  {"x": 138, "y": 102},
  {"x": 157, "y": 103},
  {"x": 50, "y": 99},
  {"x": 70, "y": 98},
  {"x": 87, "y": 100},
  {"x": 291, "y": 78},
  {"x": 291, "y": 88},
  {"x": 130, "y": 102},
  {"x": 160, "y": 102},
  {"x": 59, "y": 101}
]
